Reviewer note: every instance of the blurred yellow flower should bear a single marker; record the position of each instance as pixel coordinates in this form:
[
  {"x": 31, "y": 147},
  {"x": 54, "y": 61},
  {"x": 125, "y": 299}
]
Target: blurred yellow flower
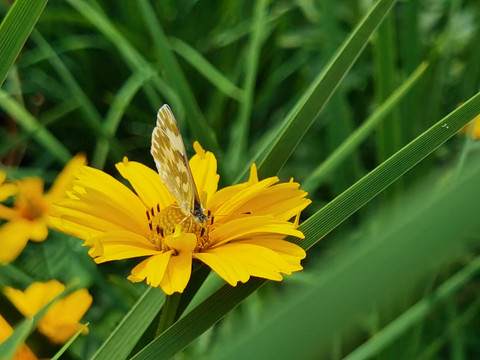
[
  {"x": 241, "y": 237},
  {"x": 23, "y": 352},
  {"x": 28, "y": 219},
  {"x": 61, "y": 320},
  {"x": 473, "y": 128}
]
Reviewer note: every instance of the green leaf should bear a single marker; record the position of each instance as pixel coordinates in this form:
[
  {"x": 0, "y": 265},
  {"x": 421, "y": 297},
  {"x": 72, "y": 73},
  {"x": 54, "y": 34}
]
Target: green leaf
[
  {"x": 315, "y": 228},
  {"x": 272, "y": 157},
  {"x": 15, "y": 29},
  {"x": 126, "y": 335},
  {"x": 355, "y": 139}
]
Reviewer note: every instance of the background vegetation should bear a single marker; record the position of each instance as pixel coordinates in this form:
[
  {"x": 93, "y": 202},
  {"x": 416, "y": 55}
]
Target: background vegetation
[{"x": 292, "y": 86}]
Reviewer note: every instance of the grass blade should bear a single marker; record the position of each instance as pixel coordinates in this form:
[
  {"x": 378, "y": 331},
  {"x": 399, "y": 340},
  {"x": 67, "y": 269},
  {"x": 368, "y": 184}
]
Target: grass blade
[
  {"x": 355, "y": 139},
  {"x": 15, "y": 29},
  {"x": 299, "y": 119},
  {"x": 125, "y": 336}
]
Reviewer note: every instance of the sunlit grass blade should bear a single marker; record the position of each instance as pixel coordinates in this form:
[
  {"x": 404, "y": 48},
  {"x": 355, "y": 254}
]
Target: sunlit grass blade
[
  {"x": 126, "y": 335},
  {"x": 204, "y": 67},
  {"x": 15, "y": 29},
  {"x": 31, "y": 124},
  {"x": 355, "y": 139},
  {"x": 302, "y": 115},
  {"x": 315, "y": 228},
  {"x": 114, "y": 115},
  {"x": 416, "y": 313}
]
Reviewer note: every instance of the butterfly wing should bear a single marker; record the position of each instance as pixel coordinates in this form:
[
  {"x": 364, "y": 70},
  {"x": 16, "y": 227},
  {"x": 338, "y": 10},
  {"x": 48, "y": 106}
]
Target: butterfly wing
[{"x": 171, "y": 160}]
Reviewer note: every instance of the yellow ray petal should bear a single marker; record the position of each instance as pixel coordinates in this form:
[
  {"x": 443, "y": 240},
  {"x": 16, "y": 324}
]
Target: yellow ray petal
[
  {"x": 204, "y": 171},
  {"x": 292, "y": 253},
  {"x": 220, "y": 204},
  {"x": 251, "y": 226},
  {"x": 7, "y": 190},
  {"x": 14, "y": 236},
  {"x": 112, "y": 193},
  {"x": 152, "y": 269},
  {"x": 7, "y": 213},
  {"x": 65, "y": 179},
  {"x": 146, "y": 183},
  {"x": 100, "y": 213},
  {"x": 61, "y": 321},
  {"x": 179, "y": 267},
  {"x": 237, "y": 262},
  {"x": 119, "y": 245},
  {"x": 38, "y": 229},
  {"x": 35, "y": 296}
]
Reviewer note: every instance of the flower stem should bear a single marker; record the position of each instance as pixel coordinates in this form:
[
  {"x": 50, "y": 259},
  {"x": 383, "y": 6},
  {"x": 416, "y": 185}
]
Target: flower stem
[{"x": 168, "y": 312}]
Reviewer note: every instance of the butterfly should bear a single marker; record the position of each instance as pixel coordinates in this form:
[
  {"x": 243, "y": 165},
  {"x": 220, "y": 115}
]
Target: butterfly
[{"x": 171, "y": 160}]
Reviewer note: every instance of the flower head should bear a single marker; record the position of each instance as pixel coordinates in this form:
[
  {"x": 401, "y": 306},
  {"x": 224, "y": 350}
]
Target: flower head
[
  {"x": 61, "y": 320},
  {"x": 242, "y": 235},
  {"x": 23, "y": 352},
  {"x": 28, "y": 219}
]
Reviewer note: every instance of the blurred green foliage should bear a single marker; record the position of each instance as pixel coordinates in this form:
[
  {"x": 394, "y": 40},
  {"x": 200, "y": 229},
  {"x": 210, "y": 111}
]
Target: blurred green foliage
[{"x": 93, "y": 74}]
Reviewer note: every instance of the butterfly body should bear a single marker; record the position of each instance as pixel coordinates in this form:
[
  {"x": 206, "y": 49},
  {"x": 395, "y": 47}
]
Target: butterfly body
[{"x": 171, "y": 160}]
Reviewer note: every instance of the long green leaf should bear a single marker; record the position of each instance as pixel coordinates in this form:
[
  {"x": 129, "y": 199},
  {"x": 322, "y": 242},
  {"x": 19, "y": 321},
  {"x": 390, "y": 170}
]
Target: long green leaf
[
  {"x": 315, "y": 228},
  {"x": 125, "y": 336},
  {"x": 302, "y": 115},
  {"x": 355, "y": 139},
  {"x": 15, "y": 29}
]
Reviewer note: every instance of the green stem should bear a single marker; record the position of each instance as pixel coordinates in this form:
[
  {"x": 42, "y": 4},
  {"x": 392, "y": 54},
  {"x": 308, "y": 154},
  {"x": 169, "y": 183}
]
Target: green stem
[{"x": 168, "y": 312}]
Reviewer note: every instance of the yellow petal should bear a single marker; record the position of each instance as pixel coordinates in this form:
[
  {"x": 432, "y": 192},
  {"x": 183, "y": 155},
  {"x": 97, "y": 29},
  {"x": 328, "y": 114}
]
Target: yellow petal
[
  {"x": 223, "y": 205},
  {"x": 61, "y": 321},
  {"x": 14, "y": 236},
  {"x": 7, "y": 213},
  {"x": 250, "y": 227},
  {"x": 283, "y": 201},
  {"x": 65, "y": 179},
  {"x": 119, "y": 245},
  {"x": 146, "y": 183},
  {"x": 152, "y": 269},
  {"x": 179, "y": 268},
  {"x": 7, "y": 190},
  {"x": 38, "y": 229},
  {"x": 102, "y": 191},
  {"x": 99, "y": 213},
  {"x": 236, "y": 262},
  {"x": 35, "y": 296},
  {"x": 204, "y": 171},
  {"x": 292, "y": 253}
]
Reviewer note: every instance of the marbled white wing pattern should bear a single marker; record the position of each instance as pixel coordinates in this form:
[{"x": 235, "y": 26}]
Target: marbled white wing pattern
[{"x": 171, "y": 159}]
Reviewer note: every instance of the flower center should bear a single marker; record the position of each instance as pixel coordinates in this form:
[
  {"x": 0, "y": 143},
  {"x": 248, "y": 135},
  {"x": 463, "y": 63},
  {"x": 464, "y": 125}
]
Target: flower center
[
  {"x": 30, "y": 208},
  {"x": 162, "y": 222}
]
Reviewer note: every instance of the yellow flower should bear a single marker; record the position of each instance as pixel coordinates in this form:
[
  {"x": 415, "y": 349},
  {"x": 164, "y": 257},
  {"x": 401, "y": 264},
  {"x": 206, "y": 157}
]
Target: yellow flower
[
  {"x": 61, "y": 321},
  {"x": 28, "y": 219},
  {"x": 23, "y": 352},
  {"x": 242, "y": 236},
  {"x": 472, "y": 128}
]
